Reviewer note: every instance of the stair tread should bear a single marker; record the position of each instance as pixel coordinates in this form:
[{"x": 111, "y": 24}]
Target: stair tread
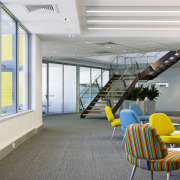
[
  {"x": 126, "y": 74},
  {"x": 97, "y": 106},
  {"x": 113, "y": 91},
  {"x": 96, "y": 110},
  {"x": 99, "y": 102}
]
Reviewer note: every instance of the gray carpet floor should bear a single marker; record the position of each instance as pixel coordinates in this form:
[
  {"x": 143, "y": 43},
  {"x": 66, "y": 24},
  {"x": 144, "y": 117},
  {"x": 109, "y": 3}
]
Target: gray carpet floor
[{"x": 70, "y": 148}]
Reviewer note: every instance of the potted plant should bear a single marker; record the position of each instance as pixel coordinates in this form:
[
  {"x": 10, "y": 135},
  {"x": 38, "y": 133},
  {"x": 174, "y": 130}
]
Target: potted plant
[
  {"x": 142, "y": 95},
  {"x": 153, "y": 93},
  {"x": 132, "y": 97}
]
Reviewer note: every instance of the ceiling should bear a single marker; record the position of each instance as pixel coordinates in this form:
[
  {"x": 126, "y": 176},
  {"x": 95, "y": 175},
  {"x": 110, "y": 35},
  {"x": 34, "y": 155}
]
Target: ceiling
[{"x": 101, "y": 27}]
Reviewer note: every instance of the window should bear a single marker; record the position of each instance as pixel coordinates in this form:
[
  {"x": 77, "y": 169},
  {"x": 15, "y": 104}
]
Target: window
[
  {"x": 14, "y": 65},
  {"x": 8, "y": 69},
  {"x": 23, "y": 69}
]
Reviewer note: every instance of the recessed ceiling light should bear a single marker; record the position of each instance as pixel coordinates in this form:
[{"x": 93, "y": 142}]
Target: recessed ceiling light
[
  {"x": 70, "y": 35},
  {"x": 88, "y": 42},
  {"x": 66, "y": 19},
  {"x": 108, "y": 47}
]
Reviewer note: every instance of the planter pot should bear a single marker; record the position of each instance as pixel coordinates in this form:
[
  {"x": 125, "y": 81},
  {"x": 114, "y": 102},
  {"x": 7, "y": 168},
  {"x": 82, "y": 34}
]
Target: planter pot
[
  {"x": 126, "y": 104},
  {"x": 142, "y": 105},
  {"x": 151, "y": 106}
]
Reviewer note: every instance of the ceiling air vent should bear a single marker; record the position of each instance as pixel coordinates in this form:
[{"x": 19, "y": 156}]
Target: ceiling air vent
[{"x": 47, "y": 8}]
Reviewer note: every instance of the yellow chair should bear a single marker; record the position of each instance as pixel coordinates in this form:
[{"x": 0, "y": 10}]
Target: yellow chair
[
  {"x": 165, "y": 128},
  {"x": 110, "y": 117}
]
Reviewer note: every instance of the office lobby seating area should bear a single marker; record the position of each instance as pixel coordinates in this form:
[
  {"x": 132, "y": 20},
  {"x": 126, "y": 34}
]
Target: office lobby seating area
[
  {"x": 72, "y": 148},
  {"x": 77, "y": 79}
]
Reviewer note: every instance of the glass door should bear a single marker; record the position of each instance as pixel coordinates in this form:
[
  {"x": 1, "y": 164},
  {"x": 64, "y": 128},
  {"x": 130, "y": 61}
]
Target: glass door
[{"x": 55, "y": 88}]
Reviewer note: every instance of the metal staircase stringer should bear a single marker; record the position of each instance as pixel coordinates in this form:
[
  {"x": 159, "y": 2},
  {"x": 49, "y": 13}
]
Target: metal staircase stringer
[
  {"x": 145, "y": 73},
  {"x": 121, "y": 100}
]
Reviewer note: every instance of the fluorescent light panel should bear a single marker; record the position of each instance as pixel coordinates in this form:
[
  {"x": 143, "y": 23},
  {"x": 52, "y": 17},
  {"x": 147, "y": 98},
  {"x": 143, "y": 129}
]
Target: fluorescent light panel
[
  {"x": 159, "y": 29},
  {"x": 129, "y": 21},
  {"x": 133, "y": 11}
]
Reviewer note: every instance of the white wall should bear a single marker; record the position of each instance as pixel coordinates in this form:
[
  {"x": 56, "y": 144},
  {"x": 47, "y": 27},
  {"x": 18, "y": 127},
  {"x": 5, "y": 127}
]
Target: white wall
[
  {"x": 15, "y": 126},
  {"x": 169, "y": 99}
]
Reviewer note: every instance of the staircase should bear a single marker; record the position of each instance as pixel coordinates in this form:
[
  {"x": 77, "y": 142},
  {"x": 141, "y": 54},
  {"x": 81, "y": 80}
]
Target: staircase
[{"x": 120, "y": 85}]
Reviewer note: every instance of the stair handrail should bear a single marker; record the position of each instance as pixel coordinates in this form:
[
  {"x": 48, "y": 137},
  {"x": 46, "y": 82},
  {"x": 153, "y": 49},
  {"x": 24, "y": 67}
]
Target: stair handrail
[
  {"x": 133, "y": 60},
  {"x": 90, "y": 84}
]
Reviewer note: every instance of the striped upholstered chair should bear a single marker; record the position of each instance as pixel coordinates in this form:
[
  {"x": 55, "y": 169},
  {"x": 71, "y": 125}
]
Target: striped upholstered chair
[{"x": 145, "y": 149}]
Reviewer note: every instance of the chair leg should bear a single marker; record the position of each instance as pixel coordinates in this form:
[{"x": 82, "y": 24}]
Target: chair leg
[
  {"x": 151, "y": 175},
  {"x": 133, "y": 172},
  {"x": 113, "y": 132},
  {"x": 168, "y": 175},
  {"x": 123, "y": 140},
  {"x": 172, "y": 145}
]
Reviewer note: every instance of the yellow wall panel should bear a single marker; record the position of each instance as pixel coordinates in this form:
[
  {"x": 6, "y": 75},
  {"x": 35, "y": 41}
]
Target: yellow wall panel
[
  {"x": 21, "y": 49},
  {"x": 21, "y": 87},
  {"x": 6, "y": 88},
  {"x": 6, "y": 47}
]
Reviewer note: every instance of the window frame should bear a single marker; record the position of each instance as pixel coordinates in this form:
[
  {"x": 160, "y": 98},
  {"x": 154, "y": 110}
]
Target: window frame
[{"x": 17, "y": 24}]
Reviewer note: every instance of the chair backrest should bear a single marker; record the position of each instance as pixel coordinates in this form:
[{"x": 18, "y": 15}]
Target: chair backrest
[
  {"x": 142, "y": 141},
  {"x": 109, "y": 114},
  {"x": 128, "y": 117},
  {"x": 161, "y": 123},
  {"x": 136, "y": 109}
]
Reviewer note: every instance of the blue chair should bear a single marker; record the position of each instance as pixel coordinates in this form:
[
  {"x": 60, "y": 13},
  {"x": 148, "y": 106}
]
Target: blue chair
[
  {"x": 128, "y": 117},
  {"x": 139, "y": 113}
]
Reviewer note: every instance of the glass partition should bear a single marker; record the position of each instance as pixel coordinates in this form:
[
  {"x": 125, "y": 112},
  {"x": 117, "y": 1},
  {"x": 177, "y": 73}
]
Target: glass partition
[
  {"x": 69, "y": 89},
  {"x": 84, "y": 86},
  {"x": 55, "y": 88},
  {"x": 44, "y": 89}
]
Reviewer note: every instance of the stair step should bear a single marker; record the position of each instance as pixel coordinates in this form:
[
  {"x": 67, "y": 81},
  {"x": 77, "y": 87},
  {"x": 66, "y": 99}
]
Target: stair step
[
  {"x": 156, "y": 70},
  {"x": 99, "y": 102},
  {"x": 110, "y": 94},
  {"x": 101, "y": 115},
  {"x": 95, "y": 110},
  {"x": 116, "y": 88},
  {"x": 129, "y": 77},
  {"x": 166, "y": 63},
  {"x": 113, "y": 91},
  {"x": 109, "y": 98},
  {"x": 126, "y": 75},
  {"x": 97, "y": 106}
]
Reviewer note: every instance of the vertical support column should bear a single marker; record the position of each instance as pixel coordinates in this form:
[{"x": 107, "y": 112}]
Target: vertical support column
[{"x": 77, "y": 87}]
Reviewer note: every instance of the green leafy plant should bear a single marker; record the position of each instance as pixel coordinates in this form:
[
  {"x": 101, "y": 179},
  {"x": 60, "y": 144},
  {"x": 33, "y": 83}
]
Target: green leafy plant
[
  {"x": 134, "y": 94},
  {"x": 153, "y": 93},
  {"x": 143, "y": 93}
]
